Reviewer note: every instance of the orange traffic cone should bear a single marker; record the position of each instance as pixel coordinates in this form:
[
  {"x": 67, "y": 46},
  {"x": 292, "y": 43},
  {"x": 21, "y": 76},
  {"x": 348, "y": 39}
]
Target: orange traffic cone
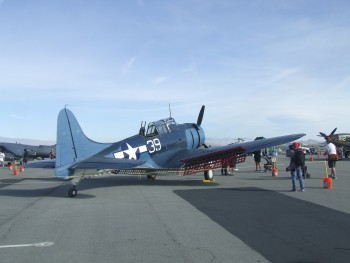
[
  {"x": 274, "y": 171},
  {"x": 15, "y": 172},
  {"x": 327, "y": 181},
  {"x": 21, "y": 169},
  {"x": 11, "y": 166}
]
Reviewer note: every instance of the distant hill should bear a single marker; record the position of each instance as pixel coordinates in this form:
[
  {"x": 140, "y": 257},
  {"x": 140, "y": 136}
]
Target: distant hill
[
  {"x": 26, "y": 141},
  {"x": 226, "y": 141},
  {"x": 311, "y": 142},
  {"x": 221, "y": 141}
]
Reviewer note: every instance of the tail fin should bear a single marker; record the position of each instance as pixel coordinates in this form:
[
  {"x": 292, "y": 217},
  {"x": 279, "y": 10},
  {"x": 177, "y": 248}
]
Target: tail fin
[{"x": 72, "y": 144}]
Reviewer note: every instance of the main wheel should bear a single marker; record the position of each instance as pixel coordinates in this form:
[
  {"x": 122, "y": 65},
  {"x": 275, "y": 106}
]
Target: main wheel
[
  {"x": 72, "y": 192},
  {"x": 208, "y": 175}
]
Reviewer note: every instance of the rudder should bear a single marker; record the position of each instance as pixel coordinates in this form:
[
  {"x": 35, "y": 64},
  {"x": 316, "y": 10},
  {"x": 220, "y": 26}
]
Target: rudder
[{"x": 72, "y": 144}]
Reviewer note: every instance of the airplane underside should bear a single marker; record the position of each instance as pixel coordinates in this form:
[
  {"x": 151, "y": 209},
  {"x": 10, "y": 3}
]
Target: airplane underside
[{"x": 222, "y": 159}]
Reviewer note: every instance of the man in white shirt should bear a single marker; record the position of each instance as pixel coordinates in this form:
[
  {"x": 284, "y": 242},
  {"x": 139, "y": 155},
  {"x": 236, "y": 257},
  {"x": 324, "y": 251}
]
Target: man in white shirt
[
  {"x": 2, "y": 158},
  {"x": 331, "y": 150}
]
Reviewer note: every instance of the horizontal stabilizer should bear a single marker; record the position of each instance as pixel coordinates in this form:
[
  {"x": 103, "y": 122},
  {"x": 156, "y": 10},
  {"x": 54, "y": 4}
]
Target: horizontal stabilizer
[{"x": 48, "y": 164}]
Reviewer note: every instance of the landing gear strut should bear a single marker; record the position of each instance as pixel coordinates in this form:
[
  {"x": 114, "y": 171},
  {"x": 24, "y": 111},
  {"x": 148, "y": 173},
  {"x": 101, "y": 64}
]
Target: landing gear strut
[{"x": 72, "y": 191}]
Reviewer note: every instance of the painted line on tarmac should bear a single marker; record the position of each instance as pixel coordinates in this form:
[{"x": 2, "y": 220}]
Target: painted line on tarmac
[
  {"x": 28, "y": 183},
  {"x": 41, "y": 244}
]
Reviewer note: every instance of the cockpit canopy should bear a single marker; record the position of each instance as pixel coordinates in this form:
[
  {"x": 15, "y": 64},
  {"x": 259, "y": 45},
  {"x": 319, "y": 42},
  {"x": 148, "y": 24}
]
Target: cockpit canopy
[{"x": 161, "y": 127}]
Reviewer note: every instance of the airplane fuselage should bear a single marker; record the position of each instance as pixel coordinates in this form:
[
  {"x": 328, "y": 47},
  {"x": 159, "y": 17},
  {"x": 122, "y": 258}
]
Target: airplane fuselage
[
  {"x": 341, "y": 139},
  {"x": 158, "y": 149}
]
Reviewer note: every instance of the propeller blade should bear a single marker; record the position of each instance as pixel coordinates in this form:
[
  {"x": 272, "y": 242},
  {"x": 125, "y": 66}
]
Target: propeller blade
[
  {"x": 333, "y": 132},
  {"x": 323, "y": 134},
  {"x": 200, "y": 116}
]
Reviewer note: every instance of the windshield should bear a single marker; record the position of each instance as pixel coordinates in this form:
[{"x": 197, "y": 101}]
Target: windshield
[{"x": 161, "y": 126}]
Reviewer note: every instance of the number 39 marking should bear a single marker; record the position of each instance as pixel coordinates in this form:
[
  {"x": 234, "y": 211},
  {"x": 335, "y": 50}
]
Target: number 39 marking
[{"x": 154, "y": 145}]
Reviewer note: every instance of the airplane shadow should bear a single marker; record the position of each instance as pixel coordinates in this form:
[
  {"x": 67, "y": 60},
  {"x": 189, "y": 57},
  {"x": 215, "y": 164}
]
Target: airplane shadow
[
  {"x": 61, "y": 189},
  {"x": 279, "y": 227},
  {"x": 136, "y": 181}
]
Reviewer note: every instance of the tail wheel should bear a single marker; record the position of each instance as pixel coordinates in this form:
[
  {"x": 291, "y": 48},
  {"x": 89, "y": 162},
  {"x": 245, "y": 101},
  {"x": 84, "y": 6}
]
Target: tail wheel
[
  {"x": 208, "y": 175},
  {"x": 72, "y": 192},
  {"x": 151, "y": 177}
]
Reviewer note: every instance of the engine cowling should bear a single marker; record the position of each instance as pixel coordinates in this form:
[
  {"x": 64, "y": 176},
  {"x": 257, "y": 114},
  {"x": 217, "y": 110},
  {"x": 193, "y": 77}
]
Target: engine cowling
[{"x": 195, "y": 137}]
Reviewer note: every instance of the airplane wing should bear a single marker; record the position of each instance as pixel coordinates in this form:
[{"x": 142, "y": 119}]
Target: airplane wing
[
  {"x": 91, "y": 163},
  {"x": 195, "y": 161},
  {"x": 14, "y": 148}
]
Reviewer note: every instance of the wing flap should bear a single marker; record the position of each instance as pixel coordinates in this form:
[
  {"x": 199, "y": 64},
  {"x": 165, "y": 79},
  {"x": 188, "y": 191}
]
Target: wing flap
[{"x": 214, "y": 160}]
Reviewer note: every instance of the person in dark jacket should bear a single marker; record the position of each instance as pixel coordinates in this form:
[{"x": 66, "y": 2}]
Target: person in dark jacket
[
  {"x": 297, "y": 163},
  {"x": 25, "y": 156},
  {"x": 257, "y": 159}
]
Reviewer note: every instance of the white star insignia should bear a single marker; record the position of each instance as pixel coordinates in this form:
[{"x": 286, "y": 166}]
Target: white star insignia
[{"x": 131, "y": 152}]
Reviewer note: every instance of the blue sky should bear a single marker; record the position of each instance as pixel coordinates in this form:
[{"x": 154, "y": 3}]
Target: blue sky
[{"x": 261, "y": 67}]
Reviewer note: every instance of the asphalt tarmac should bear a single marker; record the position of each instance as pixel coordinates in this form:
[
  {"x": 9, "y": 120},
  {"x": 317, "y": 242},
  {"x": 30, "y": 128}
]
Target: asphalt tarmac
[{"x": 248, "y": 217}]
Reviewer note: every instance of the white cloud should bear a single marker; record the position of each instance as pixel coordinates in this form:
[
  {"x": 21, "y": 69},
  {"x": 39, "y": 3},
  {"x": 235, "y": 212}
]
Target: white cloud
[
  {"x": 281, "y": 76},
  {"x": 159, "y": 80},
  {"x": 127, "y": 66}
]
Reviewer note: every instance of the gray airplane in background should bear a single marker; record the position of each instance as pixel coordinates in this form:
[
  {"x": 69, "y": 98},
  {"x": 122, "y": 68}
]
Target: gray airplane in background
[{"x": 14, "y": 151}]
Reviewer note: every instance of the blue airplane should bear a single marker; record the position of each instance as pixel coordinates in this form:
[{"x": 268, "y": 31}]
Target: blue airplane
[{"x": 165, "y": 147}]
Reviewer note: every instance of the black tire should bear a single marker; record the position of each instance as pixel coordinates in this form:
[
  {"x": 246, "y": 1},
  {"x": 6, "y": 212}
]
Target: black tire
[
  {"x": 208, "y": 175},
  {"x": 72, "y": 192},
  {"x": 151, "y": 176}
]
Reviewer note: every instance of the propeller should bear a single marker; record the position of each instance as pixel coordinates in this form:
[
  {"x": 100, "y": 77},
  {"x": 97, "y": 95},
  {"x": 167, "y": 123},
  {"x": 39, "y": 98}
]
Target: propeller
[
  {"x": 327, "y": 136},
  {"x": 200, "y": 116},
  {"x": 199, "y": 122}
]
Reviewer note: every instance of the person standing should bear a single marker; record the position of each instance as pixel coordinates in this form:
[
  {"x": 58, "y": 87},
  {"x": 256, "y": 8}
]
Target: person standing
[
  {"x": 25, "y": 156},
  {"x": 2, "y": 158},
  {"x": 257, "y": 159},
  {"x": 52, "y": 154},
  {"x": 331, "y": 151},
  {"x": 297, "y": 163}
]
